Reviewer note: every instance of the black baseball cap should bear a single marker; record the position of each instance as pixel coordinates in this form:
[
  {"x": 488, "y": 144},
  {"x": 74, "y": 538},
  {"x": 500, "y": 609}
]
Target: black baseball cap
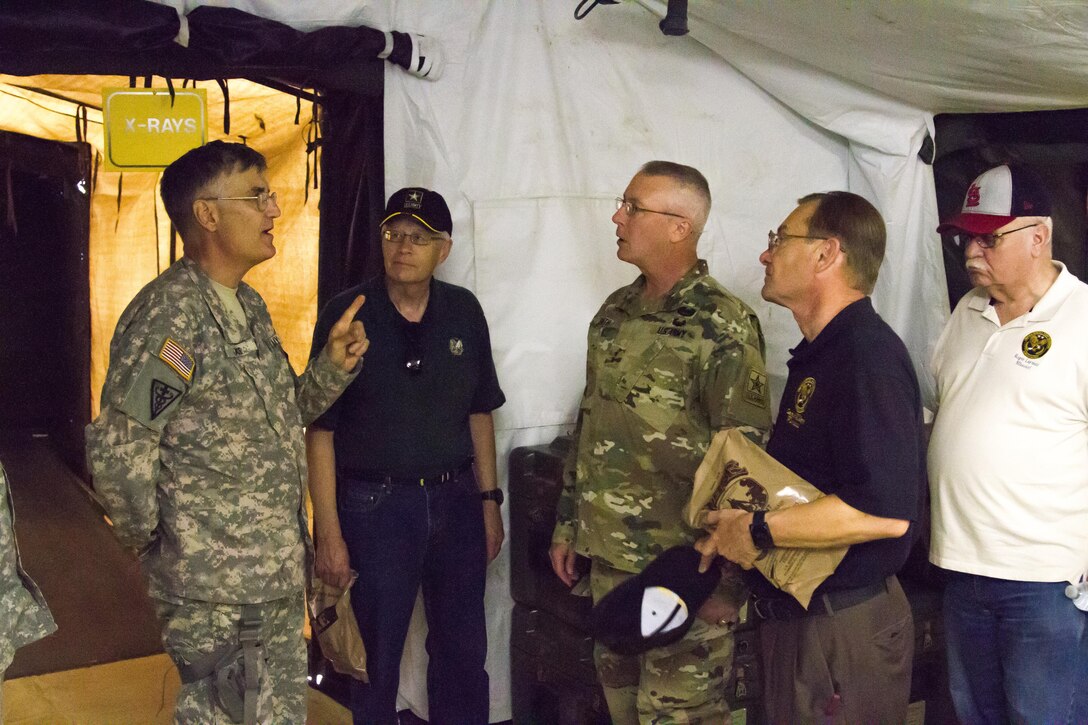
[{"x": 425, "y": 206}]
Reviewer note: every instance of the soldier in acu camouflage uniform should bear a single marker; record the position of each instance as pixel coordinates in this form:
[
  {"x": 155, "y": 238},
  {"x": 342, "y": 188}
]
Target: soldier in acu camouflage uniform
[
  {"x": 24, "y": 617},
  {"x": 198, "y": 452},
  {"x": 673, "y": 358}
]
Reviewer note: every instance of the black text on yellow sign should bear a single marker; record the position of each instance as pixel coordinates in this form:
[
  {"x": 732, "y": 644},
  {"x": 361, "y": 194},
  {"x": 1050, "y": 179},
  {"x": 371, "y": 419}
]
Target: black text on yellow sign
[{"x": 147, "y": 129}]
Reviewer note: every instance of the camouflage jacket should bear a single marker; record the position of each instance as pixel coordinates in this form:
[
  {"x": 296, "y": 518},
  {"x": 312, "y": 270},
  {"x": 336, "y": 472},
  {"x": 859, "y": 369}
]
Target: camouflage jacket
[
  {"x": 24, "y": 617},
  {"x": 198, "y": 453},
  {"x": 661, "y": 378}
]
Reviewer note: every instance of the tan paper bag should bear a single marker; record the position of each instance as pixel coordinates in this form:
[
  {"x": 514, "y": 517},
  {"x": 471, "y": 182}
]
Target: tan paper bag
[
  {"x": 332, "y": 621},
  {"x": 737, "y": 473}
]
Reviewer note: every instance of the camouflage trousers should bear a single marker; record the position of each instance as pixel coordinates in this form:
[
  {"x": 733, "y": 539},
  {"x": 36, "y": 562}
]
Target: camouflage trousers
[
  {"x": 192, "y": 629},
  {"x": 681, "y": 683}
]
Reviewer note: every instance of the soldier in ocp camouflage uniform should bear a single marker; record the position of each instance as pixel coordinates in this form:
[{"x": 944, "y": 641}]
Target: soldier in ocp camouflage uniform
[
  {"x": 24, "y": 616},
  {"x": 198, "y": 452},
  {"x": 673, "y": 358}
]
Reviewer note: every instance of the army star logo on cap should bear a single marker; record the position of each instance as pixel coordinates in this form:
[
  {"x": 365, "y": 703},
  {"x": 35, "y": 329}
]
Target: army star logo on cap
[
  {"x": 1035, "y": 344},
  {"x": 414, "y": 200},
  {"x": 162, "y": 395},
  {"x": 456, "y": 346}
]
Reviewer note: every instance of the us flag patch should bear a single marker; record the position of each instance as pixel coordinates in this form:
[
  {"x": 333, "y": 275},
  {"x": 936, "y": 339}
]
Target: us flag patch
[{"x": 180, "y": 361}]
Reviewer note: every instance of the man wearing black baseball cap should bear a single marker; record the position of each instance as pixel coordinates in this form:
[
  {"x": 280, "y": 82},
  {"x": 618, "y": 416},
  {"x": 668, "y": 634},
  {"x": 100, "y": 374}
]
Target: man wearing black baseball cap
[
  {"x": 403, "y": 476},
  {"x": 1008, "y": 460}
]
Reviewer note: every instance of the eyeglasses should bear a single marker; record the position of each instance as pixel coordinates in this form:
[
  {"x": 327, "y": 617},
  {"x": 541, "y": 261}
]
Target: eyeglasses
[
  {"x": 776, "y": 239},
  {"x": 986, "y": 241},
  {"x": 420, "y": 240},
  {"x": 262, "y": 199},
  {"x": 630, "y": 208}
]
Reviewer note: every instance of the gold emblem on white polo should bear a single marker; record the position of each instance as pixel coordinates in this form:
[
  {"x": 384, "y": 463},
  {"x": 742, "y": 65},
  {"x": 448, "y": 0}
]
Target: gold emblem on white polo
[
  {"x": 1035, "y": 344},
  {"x": 456, "y": 346}
]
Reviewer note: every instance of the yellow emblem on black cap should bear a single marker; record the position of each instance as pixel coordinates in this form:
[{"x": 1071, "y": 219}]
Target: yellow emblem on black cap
[{"x": 1035, "y": 344}]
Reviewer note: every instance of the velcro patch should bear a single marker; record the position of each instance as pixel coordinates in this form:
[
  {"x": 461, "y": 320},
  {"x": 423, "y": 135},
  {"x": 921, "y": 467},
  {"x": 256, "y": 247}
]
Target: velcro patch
[
  {"x": 162, "y": 395},
  {"x": 755, "y": 388},
  {"x": 178, "y": 359}
]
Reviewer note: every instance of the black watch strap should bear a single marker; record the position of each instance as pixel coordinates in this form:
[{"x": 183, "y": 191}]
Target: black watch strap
[
  {"x": 494, "y": 494},
  {"x": 761, "y": 533}
]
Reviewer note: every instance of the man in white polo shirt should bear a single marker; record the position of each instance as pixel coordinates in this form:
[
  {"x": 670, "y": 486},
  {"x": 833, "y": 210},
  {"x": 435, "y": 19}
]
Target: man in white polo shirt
[{"x": 1008, "y": 460}]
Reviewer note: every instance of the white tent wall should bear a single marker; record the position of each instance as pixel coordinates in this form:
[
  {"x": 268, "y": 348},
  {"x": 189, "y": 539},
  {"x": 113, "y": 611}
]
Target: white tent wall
[{"x": 884, "y": 137}]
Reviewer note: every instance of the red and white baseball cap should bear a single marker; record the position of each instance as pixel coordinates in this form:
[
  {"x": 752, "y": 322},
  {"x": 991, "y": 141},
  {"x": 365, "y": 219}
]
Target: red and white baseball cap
[{"x": 996, "y": 198}]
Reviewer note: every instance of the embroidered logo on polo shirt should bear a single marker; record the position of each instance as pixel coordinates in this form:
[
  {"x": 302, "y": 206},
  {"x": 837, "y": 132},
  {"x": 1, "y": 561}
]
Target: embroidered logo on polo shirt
[
  {"x": 796, "y": 416},
  {"x": 456, "y": 346},
  {"x": 1035, "y": 344}
]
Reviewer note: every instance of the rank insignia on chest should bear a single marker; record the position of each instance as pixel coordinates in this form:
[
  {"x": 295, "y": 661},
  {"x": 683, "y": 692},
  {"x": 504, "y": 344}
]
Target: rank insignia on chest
[
  {"x": 162, "y": 395},
  {"x": 457, "y": 347},
  {"x": 176, "y": 357},
  {"x": 1035, "y": 344}
]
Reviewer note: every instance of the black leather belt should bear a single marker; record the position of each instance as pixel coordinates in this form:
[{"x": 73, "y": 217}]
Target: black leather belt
[
  {"x": 783, "y": 608},
  {"x": 382, "y": 477}
]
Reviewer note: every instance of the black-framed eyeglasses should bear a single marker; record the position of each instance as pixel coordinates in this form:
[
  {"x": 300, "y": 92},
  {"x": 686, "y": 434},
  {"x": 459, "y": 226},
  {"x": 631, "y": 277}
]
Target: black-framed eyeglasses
[
  {"x": 263, "y": 199},
  {"x": 420, "y": 240},
  {"x": 630, "y": 208},
  {"x": 986, "y": 241},
  {"x": 777, "y": 239}
]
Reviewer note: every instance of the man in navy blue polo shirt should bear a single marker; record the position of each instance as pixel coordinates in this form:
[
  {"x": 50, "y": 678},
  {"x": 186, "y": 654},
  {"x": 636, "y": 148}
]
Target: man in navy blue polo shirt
[
  {"x": 850, "y": 422},
  {"x": 402, "y": 470}
]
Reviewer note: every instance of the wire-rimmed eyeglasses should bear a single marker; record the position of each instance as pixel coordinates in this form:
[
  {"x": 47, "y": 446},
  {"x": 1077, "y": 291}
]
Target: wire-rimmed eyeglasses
[
  {"x": 986, "y": 241},
  {"x": 263, "y": 199},
  {"x": 777, "y": 239},
  {"x": 420, "y": 240},
  {"x": 630, "y": 208}
]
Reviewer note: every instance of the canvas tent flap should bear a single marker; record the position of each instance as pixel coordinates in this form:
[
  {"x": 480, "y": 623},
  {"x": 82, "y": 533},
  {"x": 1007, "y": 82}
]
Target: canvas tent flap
[{"x": 69, "y": 26}]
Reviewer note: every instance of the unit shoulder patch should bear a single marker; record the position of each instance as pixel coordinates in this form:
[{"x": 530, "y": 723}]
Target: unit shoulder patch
[
  {"x": 755, "y": 386},
  {"x": 162, "y": 395}
]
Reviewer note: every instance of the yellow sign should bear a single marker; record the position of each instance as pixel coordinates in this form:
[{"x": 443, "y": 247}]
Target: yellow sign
[{"x": 147, "y": 130}]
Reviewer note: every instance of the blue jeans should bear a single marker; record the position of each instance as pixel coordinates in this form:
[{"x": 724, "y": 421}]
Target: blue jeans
[
  {"x": 1014, "y": 649},
  {"x": 400, "y": 538}
]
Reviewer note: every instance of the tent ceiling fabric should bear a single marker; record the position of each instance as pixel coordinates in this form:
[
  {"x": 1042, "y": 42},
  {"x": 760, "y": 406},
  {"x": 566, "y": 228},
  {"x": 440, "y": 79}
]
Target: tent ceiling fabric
[{"x": 941, "y": 56}]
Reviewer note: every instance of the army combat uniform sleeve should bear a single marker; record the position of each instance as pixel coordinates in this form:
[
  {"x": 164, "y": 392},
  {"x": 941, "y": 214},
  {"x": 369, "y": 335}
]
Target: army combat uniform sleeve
[
  {"x": 151, "y": 370},
  {"x": 24, "y": 616},
  {"x": 320, "y": 386},
  {"x": 733, "y": 380}
]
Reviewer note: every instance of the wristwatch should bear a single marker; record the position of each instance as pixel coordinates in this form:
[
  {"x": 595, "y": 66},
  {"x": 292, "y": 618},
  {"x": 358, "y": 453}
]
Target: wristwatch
[
  {"x": 494, "y": 494},
  {"x": 761, "y": 533}
]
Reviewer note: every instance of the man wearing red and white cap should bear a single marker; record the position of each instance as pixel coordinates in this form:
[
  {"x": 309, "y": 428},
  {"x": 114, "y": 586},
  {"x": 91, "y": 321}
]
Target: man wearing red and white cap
[{"x": 1008, "y": 460}]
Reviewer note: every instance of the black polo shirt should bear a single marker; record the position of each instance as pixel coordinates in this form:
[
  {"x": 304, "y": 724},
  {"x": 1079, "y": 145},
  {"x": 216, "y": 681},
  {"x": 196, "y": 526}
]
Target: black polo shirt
[
  {"x": 850, "y": 423},
  {"x": 405, "y": 422}
]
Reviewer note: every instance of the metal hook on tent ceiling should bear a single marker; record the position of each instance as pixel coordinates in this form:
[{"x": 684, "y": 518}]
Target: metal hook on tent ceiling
[{"x": 580, "y": 14}]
